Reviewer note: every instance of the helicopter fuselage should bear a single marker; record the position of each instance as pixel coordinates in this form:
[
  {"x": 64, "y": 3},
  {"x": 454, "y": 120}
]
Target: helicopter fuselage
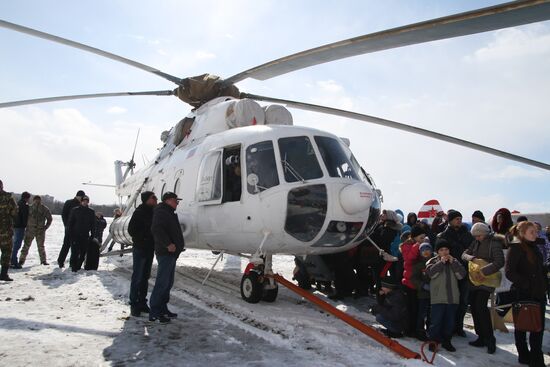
[{"x": 286, "y": 189}]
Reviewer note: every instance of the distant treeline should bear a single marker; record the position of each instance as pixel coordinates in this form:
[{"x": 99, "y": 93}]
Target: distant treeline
[{"x": 56, "y": 206}]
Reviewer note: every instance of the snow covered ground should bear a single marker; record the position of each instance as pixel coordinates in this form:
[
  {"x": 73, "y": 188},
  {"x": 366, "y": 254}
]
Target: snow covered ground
[{"x": 50, "y": 316}]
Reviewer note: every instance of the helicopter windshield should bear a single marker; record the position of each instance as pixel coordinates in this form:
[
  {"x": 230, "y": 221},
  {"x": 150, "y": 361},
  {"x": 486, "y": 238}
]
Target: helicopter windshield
[
  {"x": 261, "y": 167},
  {"x": 298, "y": 159},
  {"x": 337, "y": 162}
]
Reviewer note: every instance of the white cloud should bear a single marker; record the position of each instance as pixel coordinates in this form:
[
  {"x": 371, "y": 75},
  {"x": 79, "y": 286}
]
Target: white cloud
[
  {"x": 513, "y": 172},
  {"x": 202, "y": 55},
  {"x": 512, "y": 43},
  {"x": 54, "y": 152},
  {"x": 330, "y": 86},
  {"x": 116, "y": 110}
]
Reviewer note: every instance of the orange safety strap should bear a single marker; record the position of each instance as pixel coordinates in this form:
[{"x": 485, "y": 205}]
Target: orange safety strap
[{"x": 365, "y": 329}]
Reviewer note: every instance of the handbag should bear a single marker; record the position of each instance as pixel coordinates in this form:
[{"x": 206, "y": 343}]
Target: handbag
[
  {"x": 491, "y": 281},
  {"x": 527, "y": 316}
]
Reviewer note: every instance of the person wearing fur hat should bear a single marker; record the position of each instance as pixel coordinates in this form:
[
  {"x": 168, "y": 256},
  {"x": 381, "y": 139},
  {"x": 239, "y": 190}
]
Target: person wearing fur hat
[
  {"x": 422, "y": 283},
  {"x": 391, "y": 310},
  {"x": 486, "y": 251},
  {"x": 459, "y": 239},
  {"x": 410, "y": 251},
  {"x": 444, "y": 271},
  {"x": 143, "y": 251},
  {"x": 386, "y": 233}
]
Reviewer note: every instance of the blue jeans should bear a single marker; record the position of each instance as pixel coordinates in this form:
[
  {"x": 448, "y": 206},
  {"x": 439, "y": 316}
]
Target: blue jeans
[
  {"x": 18, "y": 235},
  {"x": 390, "y": 325},
  {"x": 142, "y": 261},
  {"x": 163, "y": 284},
  {"x": 442, "y": 322},
  {"x": 464, "y": 289},
  {"x": 423, "y": 310}
]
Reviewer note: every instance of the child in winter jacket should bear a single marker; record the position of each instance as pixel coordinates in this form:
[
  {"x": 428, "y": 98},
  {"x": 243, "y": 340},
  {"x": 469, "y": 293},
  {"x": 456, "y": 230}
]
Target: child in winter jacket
[
  {"x": 391, "y": 310},
  {"x": 410, "y": 251},
  {"x": 421, "y": 282},
  {"x": 444, "y": 272}
]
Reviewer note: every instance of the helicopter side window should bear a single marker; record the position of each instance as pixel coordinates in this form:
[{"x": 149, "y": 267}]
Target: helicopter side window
[
  {"x": 232, "y": 174},
  {"x": 210, "y": 178},
  {"x": 336, "y": 160},
  {"x": 298, "y": 159},
  {"x": 261, "y": 169}
]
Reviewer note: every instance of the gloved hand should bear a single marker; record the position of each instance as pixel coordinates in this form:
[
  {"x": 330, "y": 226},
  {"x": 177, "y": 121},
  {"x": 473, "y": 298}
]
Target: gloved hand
[{"x": 426, "y": 287}]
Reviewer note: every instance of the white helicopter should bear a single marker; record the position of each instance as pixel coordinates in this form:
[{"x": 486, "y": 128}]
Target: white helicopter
[{"x": 255, "y": 185}]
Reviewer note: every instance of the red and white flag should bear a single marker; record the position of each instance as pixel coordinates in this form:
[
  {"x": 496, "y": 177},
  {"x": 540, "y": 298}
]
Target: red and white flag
[{"x": 429, "y": 210}]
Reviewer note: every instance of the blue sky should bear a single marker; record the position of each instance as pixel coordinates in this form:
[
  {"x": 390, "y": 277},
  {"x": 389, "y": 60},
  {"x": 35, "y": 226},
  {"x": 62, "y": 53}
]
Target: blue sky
[{"x": 491, "y": 88}]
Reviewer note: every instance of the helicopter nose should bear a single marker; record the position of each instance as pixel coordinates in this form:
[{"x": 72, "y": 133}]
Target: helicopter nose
[{"x": 356, "y": 198}]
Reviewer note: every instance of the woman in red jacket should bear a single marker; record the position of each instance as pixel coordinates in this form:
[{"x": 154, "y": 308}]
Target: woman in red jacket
[{"x": 410, "y": 251}]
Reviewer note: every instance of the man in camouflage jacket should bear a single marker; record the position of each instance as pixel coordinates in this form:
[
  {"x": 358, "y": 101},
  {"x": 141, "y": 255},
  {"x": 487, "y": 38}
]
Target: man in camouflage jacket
[
  {"x": 38, "y": 223},
  {"x": 8, "y": 212}
]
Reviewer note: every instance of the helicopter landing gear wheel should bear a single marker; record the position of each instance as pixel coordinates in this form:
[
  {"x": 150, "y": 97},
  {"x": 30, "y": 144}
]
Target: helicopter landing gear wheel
[
  {"x": 251, "y": 287},
  {"x": 270, "y": 294}
]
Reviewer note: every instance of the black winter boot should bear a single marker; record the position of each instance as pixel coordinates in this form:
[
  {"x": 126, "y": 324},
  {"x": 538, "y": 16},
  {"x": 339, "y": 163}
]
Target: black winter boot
[
  {"x": 524, "y": 357},
  {"x": 477, "y": 343},
  {"x": 4, "y": 274},
  {"x": 491, "y": 345}
]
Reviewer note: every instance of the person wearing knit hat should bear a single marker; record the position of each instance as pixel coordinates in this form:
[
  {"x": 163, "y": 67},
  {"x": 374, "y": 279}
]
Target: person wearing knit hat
[
  {"x": 410, "y": 251},
  {"x": 480, "y": 229},
  {"x": 391, "y": 310},
  {"x": 444, "y": 272},
  {"x": 422, "y": 284},
  {"x": 453, "y": 214},
  {"x": 477, "y": 217},
  {"x": 65, "y": 213},
  {"x": 146, "y": 195},
  {"x": 143, "y": 251},
  {"x": 441, "y": 243},
  {"x": 458, "y": 238},
  {"x": 485, "y": 257},
  {"x": 417, "y": 231}
]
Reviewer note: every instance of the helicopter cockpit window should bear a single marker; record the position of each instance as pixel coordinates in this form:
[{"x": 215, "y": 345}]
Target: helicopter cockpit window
[
  {"x": 209, "y": 187},
  {"x": 261, "y": 169},
  {"x": 298, "y": 159},
  {"x": 336, "y": 160}
]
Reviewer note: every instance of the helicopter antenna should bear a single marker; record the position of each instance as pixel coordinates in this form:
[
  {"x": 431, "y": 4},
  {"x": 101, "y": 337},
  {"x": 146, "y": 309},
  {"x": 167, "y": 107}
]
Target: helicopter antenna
[{"x": 132, "y": 164}]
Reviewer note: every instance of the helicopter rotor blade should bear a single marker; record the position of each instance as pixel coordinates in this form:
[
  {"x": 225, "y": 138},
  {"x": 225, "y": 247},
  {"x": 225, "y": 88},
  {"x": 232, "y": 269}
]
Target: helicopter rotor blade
[
  {"x": 481, "y": 20},
  {"x": 80, "y": 46},
  {"x": 399, "y": 126},
  {"x": 85, "y": 96}
]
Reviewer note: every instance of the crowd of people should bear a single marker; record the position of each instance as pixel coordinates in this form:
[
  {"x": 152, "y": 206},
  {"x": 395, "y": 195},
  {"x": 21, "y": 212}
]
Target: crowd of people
[
  {"x": 437, "y": 272},
  {"x": 154, "y": 229},
  {"x": 424, "y": 276},
  {"x": 23, "y": 222}
]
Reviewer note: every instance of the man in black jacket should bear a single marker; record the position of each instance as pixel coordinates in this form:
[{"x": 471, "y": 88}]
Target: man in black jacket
[
  {"x": 169, "y": 244},
  {"x": 143, "y": 252},
  {"x": 81, "y": 231},
  {"x": 19, "y": 226},
  {"x": 67, "y": 208},
  {"x": 459, "y": 238}
]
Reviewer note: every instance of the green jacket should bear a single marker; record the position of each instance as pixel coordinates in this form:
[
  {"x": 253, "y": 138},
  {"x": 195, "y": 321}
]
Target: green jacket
[
  {"x": 420, "y": 280},
  {"x": 444, "y": 280},
  {"x": 8, "y": 212},
  {"x": 40, "y": 217}
]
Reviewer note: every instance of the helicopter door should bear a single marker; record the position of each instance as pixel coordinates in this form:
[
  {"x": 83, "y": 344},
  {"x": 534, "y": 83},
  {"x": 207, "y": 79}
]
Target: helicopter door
[{"x": 219, "y": 194}]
